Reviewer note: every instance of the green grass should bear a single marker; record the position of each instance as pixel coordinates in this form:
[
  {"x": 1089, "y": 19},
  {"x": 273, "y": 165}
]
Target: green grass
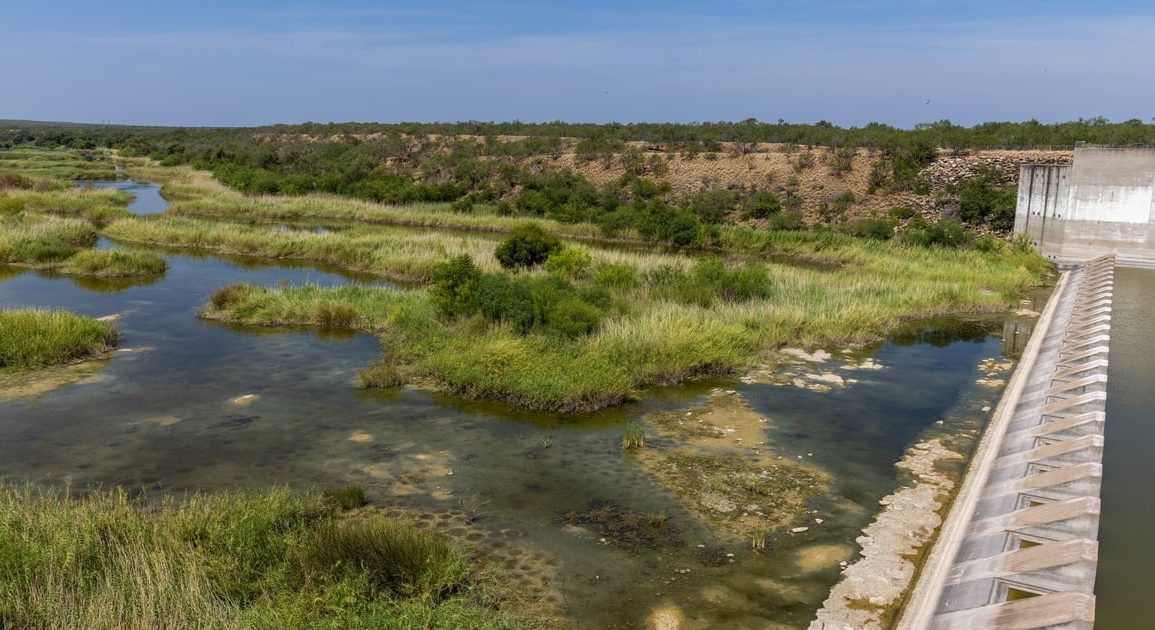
[
  {"x": 33, "y": 339},
  {"x": 653, "y": 340},
  {"x": 269, "y": 559},
  {"x": 59, "y": 164},
  {"x": 397, "y": 253},
  {"x": 42, "y": 240},
  {"x": 114, "y": 263}
]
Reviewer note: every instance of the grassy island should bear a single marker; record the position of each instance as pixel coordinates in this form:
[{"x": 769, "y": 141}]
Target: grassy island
[{"x": 34, "y": 339}]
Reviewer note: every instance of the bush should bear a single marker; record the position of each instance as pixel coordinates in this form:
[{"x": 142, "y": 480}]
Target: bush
[
  {"x": 762, "y": 205},
  {"x": 454, "y": 285},
  {"x": 981, "y": 200},
  {"x": 527, "y": 246},
  {"x": 573, "y": 317},
  {"x": 878, "y": 229},
  {"x": 787, "y": 221},
  {"x": 942, "y": 233},
  {"x": 569, "y": 262},
  {"x": 902, "y": 213}
]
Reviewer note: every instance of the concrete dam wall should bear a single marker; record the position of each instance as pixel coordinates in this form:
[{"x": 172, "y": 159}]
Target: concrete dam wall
[{"x": 1103, "y": 203}]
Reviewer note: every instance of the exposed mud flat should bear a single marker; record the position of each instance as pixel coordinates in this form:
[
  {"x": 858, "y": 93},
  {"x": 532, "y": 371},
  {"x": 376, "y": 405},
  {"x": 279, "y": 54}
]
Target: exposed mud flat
[
  {"x": 38, "y": 382},
  {"x": 716, "y": 460}
]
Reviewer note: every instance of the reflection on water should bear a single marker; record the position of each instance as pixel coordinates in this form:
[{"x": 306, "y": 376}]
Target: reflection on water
[
  {"x": 1127, "y": 549},
  {"x": 190, "y": 404},
  {"x": 146, "y": 197}
]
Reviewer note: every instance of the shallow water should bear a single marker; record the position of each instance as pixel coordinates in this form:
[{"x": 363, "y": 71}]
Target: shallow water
[
  {"x": 160, "y": 419},
  {"x": 146, "y": 197},
  {"x": 1127, "y": 548}
]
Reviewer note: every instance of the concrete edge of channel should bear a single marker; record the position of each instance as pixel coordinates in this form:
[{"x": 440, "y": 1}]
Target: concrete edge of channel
[{"x": 924, "y": 599}]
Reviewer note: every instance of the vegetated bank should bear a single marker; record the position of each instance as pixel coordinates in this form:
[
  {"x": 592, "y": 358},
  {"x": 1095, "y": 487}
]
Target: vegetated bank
[
  {"x": 44, "y": 241},
  {"x": 267, "y": 559},
  {"x": 32, "y": 339},
  {"x": 572, "y": 335},
  {"x": 575, "y": 327}
]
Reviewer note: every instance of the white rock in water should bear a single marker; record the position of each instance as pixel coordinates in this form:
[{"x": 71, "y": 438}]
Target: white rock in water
[{"x": 799, "y": 530}]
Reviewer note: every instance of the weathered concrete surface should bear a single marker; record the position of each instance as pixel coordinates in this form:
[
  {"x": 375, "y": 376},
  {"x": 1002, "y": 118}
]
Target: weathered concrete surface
[
  {"x": 1104, "y": 203},
  {"x": 1019, "y": 548}
]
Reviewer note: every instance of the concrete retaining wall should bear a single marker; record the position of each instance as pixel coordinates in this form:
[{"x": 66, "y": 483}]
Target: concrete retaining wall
[{"x": 1104, "y": 203}]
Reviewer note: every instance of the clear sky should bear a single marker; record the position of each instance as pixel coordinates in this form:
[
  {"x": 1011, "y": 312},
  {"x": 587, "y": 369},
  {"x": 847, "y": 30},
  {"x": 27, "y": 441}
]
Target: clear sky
[{"x": 211, "y": 62}]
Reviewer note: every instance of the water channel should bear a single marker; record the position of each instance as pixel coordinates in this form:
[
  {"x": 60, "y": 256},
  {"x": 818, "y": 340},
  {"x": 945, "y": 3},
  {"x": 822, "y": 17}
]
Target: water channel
[
  {"x": 161, "y": 416},
  {"x": 1127, "y": 548}
]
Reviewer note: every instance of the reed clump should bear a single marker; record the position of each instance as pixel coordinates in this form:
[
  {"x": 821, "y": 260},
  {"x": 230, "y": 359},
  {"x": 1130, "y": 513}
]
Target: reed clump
[
  {"x": 31, "y": 339},
  {"x": 114, "y": 263}
]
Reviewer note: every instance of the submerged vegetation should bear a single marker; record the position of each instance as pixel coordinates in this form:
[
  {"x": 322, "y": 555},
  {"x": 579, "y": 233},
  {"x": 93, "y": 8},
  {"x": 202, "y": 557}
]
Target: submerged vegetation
[
  {"x": 33, "y": 339},
  {"x": 229, "y": 560}
]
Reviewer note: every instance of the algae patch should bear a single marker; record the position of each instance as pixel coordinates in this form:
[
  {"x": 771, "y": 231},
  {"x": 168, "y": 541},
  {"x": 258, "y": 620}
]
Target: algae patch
[{"x": 720, "y": 467}]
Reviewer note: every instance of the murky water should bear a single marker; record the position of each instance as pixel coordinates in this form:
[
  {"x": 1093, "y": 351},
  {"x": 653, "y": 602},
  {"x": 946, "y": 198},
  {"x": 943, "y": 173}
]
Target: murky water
[
  {"x": 1127, "y": 549},
  {"x": 162, "y": 417}
]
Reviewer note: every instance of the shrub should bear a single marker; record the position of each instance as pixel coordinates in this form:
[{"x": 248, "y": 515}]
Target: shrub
[
  {"x": 762, "y": 205},
  {"x": 981, "y": 200},
  {"x": 569, "y": 262},
  {"x": 454, "y": 285},
  {"x": 902, "y": 213},
  {"x": 573, "y": 317},
  {"x": 787, "y": 221},
  {"x": 942, "y": 233},
  {"x": 527, "y": 246},
  {"x": 878, "y": 229}
]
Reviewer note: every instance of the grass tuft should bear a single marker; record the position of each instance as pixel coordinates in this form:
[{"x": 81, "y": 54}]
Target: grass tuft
[
  {"x": 114, "y": 263},
  {"x": 33, "y": 339}
]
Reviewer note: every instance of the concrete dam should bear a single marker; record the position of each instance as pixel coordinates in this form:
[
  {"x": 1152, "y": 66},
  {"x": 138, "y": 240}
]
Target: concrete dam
[
  {"x": 1103, "y": 203},
  {"x": 1020, "y": 545}
]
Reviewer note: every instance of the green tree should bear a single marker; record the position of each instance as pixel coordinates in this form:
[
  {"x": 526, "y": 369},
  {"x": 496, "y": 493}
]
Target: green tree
[{"x": 527, "y": 246}]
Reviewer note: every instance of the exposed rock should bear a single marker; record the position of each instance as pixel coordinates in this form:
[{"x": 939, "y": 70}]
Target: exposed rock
[{"x": 885, "y": 570}]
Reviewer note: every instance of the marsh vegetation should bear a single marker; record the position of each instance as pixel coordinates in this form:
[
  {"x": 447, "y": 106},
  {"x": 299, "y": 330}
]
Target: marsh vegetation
[
  {"x": 31, "y": 339},
  {"x": 533, "y": 311},
  {"x": 275, "y": 558}
]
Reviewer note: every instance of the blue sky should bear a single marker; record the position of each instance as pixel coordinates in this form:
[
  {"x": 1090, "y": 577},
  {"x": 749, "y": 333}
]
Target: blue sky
[{"x": 846, "y": 61}]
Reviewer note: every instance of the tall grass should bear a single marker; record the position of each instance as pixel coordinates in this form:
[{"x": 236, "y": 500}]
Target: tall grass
[
  {"x": 654, "y": 340},
  {"x": 114, "y": 263},
  {"x": 40, "y": 240},
  {"x": 32, "y": 339},
  {"x": 393, "y": 252},
  {"x": 269, "y": 559},
  {"x": 58, "y": 164}
]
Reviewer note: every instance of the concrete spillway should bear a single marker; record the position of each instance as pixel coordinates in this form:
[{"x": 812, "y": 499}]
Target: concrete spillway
[{"x": 1019, "y": 548}]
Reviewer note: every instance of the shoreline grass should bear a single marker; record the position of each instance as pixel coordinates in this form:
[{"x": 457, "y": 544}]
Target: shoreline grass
[
  {"x": 33, "y": 339},
  {"x": 114, "y": 263},
  {"x": 235, "y": 559},
  {"x": 656, "y": 337}
]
